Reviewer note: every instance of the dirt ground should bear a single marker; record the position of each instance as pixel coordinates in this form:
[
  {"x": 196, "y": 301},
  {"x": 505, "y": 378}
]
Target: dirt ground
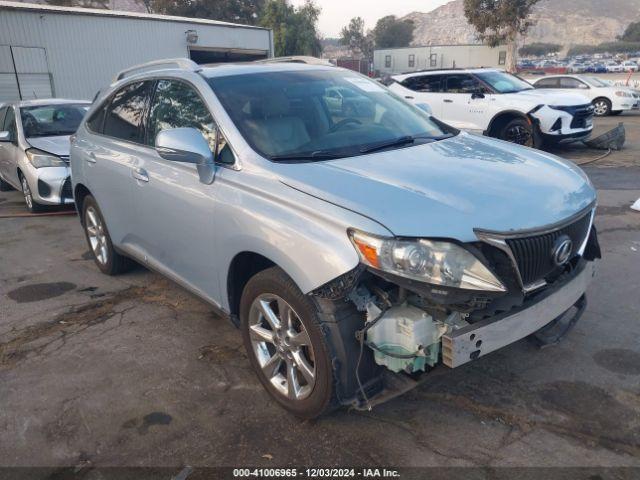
[{"x": 134, "y": 371}]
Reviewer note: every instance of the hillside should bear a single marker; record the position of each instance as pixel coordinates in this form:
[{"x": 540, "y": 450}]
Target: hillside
[{"x": 568, "y": 23}]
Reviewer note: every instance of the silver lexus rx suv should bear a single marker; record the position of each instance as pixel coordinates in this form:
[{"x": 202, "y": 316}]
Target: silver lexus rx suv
[{"x": 355, "y": 241}]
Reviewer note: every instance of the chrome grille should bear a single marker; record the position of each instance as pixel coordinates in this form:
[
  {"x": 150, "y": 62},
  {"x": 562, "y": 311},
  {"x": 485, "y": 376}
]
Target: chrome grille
[{"x": 534, "y": 254}]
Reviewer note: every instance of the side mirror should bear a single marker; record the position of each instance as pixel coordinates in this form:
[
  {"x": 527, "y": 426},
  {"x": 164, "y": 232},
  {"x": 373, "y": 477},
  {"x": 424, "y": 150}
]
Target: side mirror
[
  {"x": 477, "y": 94},
  {"x": 5, "y": 136},
  {"x": 187, "y": 145}
]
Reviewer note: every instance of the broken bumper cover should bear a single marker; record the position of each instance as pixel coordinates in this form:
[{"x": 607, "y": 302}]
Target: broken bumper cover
[{"x": 478, "y": 339}]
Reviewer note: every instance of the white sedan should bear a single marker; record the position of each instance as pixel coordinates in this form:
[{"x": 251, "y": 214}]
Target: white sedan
[{"x": 607, "y": 99}]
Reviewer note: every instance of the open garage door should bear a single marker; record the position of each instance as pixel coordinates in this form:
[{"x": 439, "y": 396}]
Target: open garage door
[
  {"x": 218, "y": 55},
  {"x": 24, "y": 73}
]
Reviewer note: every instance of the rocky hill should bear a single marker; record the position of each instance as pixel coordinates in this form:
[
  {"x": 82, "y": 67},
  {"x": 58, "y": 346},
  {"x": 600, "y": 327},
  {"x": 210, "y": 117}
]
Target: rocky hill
[{"x": 565, "y": 22}]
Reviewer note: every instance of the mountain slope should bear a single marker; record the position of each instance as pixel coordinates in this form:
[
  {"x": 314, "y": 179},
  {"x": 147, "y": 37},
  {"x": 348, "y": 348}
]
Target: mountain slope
[{"x": 566, "y": 22}]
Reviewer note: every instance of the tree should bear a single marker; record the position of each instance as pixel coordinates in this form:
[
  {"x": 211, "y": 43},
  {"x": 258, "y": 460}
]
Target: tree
[
  {"x": 238, "y": 11},
  {"x": 356, "y": 39},
  {"x": 499, "y": 22},
  {"x": 390, "y": 32},
  {"x": 631, "y": 33},
  {"x": 539, "y": 49},
  {"x": 295, "y": 30}
]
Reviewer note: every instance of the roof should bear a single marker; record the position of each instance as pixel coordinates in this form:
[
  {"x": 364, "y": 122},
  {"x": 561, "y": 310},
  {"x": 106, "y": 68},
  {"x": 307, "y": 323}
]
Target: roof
[
  {"x": 402, "y": 76},
  {"x": 228, "y": 69},
  {"x": 298, "y": 59},
  {"x": 45, "y": 101},
  {"x": 33, "y": 7}
]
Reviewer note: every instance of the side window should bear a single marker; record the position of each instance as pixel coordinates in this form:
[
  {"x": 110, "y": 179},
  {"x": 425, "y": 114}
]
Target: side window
[
  {"x": 412, "y": 61},
  {"x": 9, "y": 124},
  {"x": 3, "y": 111},
  {"x": 547, "y": 83},
  {"x": 424, "y": 83},
  {"x": 461, "y": 83},
  {"x": 387, "y": 61},
  {"x": 177, "y": 105},
  {"x": 126, "y": 112},
  {"x": 433, "y": 60},
  {"x": 96, "y": 122},
  {"x": 502, "y": 58},
  {"x": 568, "y": 82}
]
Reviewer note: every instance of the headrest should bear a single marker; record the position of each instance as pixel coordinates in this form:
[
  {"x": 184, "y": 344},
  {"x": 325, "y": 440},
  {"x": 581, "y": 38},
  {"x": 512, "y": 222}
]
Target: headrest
[{"x": 271, "y": 105}]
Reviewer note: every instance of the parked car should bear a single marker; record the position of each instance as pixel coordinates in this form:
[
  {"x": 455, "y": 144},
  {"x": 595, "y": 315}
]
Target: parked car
[
  {"x": 34, "y": 149},
  {"x": 607, "y": 99},
  {"x": 614, "y": 67},
  {"x": 629, "y": 66},
  {"x": 499, "y": 105},
  {"x": 344, "y": 247}
]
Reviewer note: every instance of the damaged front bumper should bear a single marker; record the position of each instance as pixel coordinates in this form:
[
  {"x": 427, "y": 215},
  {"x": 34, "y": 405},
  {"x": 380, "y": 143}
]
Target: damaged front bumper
[{"x": 478, "y": 339}]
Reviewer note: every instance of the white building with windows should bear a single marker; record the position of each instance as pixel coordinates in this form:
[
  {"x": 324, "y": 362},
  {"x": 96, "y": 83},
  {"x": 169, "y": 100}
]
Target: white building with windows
[
  {"x": 49, "y": 51},
  {"x": 389, "y": 61}
]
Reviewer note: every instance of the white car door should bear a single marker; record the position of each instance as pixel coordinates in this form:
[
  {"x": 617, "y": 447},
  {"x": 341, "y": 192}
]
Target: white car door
[
  {"x": 422, "y": 89},
  {"x": 464, "y": 102}
]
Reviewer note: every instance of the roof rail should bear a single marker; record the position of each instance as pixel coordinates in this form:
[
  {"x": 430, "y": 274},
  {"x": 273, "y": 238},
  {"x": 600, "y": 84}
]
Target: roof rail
[{"x": 181, "y": 63}]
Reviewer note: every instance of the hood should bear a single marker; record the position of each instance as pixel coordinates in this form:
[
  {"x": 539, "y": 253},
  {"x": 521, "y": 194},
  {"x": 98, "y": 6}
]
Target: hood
[
  {"x": 551, "y": 96},
  {"x": 449, "y": 188},
  {"x": 58, "y": 145}
]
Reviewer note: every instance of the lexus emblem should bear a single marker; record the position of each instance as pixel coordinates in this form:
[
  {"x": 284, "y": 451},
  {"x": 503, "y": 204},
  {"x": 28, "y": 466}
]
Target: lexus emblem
[{"x": 562, "y": 250}]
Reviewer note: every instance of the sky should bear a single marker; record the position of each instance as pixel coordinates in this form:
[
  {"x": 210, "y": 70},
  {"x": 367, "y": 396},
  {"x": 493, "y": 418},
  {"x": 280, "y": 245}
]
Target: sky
[{"x": 337, "y": 13}]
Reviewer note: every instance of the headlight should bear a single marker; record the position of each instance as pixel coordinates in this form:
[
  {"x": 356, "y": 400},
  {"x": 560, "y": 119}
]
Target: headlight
[
  {"x": 41, "y": 159},
  {"x": 429, "y": 261},
  {"x": 620, "y": 93}
]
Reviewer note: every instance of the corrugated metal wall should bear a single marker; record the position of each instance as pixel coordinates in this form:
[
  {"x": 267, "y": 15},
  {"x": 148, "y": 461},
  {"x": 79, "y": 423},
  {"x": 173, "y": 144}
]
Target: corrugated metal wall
[{"x": 84, "y": 52}]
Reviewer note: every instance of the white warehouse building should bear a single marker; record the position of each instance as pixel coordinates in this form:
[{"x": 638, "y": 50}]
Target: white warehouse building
[
  {"x": 49, "y": 51},
  {"x": 411, "y": 59}
]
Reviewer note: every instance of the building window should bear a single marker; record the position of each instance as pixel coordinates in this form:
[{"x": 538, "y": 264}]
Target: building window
[
  {"x": 502, "y": 58},
  {"x": 433, "y": 60},
  {"x": 412, "y": 61},
  {"x": 387, "y": 61}
]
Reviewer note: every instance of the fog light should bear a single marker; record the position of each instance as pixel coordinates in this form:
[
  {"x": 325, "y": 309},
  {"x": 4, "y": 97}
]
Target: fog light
[{"x": 43, "y": 189}]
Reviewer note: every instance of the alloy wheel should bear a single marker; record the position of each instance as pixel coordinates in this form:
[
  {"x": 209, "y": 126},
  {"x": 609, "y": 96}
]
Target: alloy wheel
[
  {"x": 97, "y": 236},
  {"x": 282, "y": 346},
  {"x": 600, "y": 108},
  {"x": 26, "y": 191}
]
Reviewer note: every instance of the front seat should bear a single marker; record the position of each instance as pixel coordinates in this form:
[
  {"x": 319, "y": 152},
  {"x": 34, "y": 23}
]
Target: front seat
[{"x": 274, "y": 130}]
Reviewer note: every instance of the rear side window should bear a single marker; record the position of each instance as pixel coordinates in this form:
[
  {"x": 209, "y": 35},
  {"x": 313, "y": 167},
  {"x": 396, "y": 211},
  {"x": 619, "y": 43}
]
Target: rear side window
[
  {"x": 125, "y": 115},
  {"x": 424, "y": 83},
  {"x": 547, "y": 83},
  {"x": 177, "y": 105}
]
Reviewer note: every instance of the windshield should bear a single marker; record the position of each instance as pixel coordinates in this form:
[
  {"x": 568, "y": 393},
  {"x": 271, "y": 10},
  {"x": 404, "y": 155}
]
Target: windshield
[
  {"x": 320, "y": 114},
  {"x": 595, "y": 82},
  {"x": 503, "y": 82},
  {"x": 52, "y": 120}
]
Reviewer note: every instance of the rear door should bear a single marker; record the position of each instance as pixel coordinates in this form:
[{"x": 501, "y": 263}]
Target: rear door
[
  {"x": 425, "y": 89},
  {"x": 174, "y": 210}
]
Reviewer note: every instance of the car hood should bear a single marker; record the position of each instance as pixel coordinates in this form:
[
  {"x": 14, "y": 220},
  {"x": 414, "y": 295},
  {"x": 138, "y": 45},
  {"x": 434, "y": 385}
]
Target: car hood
[
  {"x": 58, "y": 145},
  {"x": 551, "y": 96},
  {"x": 449, "y": 188}
]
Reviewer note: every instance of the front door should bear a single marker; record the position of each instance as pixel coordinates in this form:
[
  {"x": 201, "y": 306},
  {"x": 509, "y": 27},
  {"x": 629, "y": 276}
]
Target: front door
[
  {"x": 174, "y": 210},
  {"x": 464, "y": 102}
]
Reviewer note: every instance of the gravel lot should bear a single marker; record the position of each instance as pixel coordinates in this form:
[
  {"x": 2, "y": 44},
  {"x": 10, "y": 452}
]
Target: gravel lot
[{"x": 135, "y": 371}]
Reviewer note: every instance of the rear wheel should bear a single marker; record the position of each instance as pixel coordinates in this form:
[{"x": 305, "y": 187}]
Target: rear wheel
[
  {"x": 107, "y": 259},
  {"x": 518, "y": 131},
  {"x": 602, "y": 107},
  {"x": 285, "y": 343},
  {"x": 30, "y": 203}
]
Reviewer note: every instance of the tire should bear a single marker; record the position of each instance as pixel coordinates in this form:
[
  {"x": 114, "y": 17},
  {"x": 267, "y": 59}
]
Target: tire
[
  {"x": 602, "y": 107},
  {"x": 616, "y": 112},
  {"x": 519, "y": 131},
  {"x": 273, "y": 290},
  {"x": 29, "y": 202},
  {"x": 108, "y": 260},
  {"x": 4, "y": 186}
]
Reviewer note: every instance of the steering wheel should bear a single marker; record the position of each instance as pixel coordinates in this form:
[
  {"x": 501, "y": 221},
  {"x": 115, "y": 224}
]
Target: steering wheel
[{"x": 344, "y": 122}]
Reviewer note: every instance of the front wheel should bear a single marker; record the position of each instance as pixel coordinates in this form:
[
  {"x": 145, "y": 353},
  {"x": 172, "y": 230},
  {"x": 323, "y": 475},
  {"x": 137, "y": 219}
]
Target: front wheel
[
  {"x": 601, "y": 107},
  {"x": 282, "y": 334},
  {"x": 518, "y": 131},
  {"x": 30, "y": 203}
]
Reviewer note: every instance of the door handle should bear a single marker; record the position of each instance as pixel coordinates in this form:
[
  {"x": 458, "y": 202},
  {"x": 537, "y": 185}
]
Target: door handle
[
  {"x": 446, "y": 100},
  {"x": 140, "y": 174},
  {"x": 408, "y": 97},
  {"x": 91, "y": 158}
]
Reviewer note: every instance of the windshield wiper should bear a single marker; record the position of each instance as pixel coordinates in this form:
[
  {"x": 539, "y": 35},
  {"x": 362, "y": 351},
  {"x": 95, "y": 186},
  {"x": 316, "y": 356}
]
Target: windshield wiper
[
  {"x": 398, "y": 142},
  {"x": 306, "y": 157}
]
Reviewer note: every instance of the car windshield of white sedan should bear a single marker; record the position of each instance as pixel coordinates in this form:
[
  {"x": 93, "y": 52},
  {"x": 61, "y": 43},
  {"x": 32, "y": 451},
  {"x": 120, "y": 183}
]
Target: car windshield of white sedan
[
  {"x": 503, "y": 82},
  {"x": 319, "y": 115},
  {"x": 52, "y": 120}
]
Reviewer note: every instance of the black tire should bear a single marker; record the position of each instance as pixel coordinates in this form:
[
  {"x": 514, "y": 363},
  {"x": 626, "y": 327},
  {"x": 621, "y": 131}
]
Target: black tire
[
  {"x": 519, "y": 131},
  {"x": 115, "y": 263},
  {"x": 29, "y": 202},
  {"x": 602, "y": 107},
  {"x": 273, "y": 281},
  {"x": 616, "y": 112},
  {"x": 4, "y": 186}
]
